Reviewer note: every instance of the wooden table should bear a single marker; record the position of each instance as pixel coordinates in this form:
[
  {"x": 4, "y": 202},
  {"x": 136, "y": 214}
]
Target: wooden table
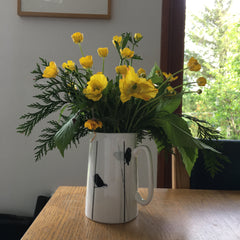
[{"x": 176, "y": 214}]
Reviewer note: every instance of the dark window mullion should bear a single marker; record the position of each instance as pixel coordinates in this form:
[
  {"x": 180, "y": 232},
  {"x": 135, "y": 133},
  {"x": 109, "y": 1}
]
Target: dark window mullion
[{"x": 171, "y": 60}]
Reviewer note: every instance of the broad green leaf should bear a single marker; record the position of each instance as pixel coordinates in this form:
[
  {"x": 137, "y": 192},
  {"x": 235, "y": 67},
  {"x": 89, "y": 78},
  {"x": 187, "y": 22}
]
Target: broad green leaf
[
  {"x": 64, "y": 136},
  {"x": 179, "y": 134},
  {"x": 189, "y": 156},
  {"x": 169, "y": 104},
  {"x": 176, "y": 129}
]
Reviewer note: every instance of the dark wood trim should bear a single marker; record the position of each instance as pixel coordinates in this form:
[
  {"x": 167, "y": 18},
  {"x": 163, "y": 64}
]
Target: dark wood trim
[
  {"x": 171, "y": 60},
  {"x": 172, "y": 36},
  {"x": 164, "y": 176}
]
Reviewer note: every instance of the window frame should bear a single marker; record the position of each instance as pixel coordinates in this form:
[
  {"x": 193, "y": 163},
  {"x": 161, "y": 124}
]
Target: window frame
[{"x": 171, "y": 60}]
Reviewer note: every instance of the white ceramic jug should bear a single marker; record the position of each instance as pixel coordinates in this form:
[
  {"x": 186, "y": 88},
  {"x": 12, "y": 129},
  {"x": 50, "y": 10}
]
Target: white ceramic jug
[{"x": 112, "y": 183}]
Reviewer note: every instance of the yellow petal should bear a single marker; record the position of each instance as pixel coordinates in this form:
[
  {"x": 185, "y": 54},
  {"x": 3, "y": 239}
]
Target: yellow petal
[
  {"x": 102, "y": 52},
  {"x": 93, "y": 124},
  {"x": 122, "y": 69},
  {"x": 117, "y": 39},
  {"x": 133, "y": 86},
  {"x": 77, "y": 37},
  {"x": 193, "y": 65},
  {"x": 98, "y": 82},
  {"x": 86, "y": 62},
  {"x": 138, "y": 36},
  {"x": 126, "y": 53},
  {"x": 50, "y": 71}
]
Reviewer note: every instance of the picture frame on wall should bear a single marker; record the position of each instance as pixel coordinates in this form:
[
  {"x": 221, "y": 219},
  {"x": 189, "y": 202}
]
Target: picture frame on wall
[{"x": 65, "y": 8}]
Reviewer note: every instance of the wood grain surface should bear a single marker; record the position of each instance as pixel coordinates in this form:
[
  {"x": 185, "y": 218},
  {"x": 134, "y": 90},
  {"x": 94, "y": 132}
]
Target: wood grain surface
[{"x": 176, "y": 214}]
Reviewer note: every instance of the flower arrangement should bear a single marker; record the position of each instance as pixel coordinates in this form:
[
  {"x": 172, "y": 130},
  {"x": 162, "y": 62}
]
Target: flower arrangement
[{"x": 133, "y": 102}]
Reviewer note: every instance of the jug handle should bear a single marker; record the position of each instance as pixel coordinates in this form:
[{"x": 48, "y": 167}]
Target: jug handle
[{"x": 138, "y": 196}]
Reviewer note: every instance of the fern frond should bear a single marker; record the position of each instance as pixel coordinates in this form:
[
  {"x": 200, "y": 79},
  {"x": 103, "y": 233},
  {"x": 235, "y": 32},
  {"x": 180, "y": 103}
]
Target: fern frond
[
  {"x": 46, "y": 140},
  {"x": 35, "y": 117},
  {"x": 214, "y": 163},
  {"x": 205, "y": 130}
]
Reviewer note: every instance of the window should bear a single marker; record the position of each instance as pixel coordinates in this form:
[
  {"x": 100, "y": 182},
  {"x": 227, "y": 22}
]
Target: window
[{"x": 212, "y": 36}]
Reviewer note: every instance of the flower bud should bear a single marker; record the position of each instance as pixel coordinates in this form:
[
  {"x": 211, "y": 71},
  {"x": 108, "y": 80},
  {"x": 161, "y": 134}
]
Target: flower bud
[
  {"x": 138, "y": 37},
  {"x": 77, "y": 37},
  {"x": 117, "y": 39},
  {"x": 102, "y": 52},
  {"x": 201, "y": 81}
]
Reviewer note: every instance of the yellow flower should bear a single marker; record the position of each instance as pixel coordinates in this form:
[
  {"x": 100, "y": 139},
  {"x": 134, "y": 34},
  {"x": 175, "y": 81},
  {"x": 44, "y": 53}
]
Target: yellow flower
[
  {"x": 171, "y": 90},
  {"x": 117, "y": 39},
  {"x": 193, "y": 65},
  {"x": 92, "y": 124},
  {"x": 98, "y": 82},
  {"x": 169, "y": 76},
  {"x": 69, "y": 65},
  {"x": 86, "y": 62},
  {"x": 102, "y": 52},
  {"x": 141, "y": 72},
  {"x": 50, "y": 71},
  {"x": 122, "y": 69},
  {"x": 126, "y": 53},
  {"x": 133, "y": 86},
  {"x": 138, "y": 36},
  {"x": 77, "y": 37},
  {"x": 201, "y": 81}
]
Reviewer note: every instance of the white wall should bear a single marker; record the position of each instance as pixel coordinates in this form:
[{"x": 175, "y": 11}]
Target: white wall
[{"x": 22, "y": 41}]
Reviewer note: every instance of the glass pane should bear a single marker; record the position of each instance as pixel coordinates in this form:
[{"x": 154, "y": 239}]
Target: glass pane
[{"x": 213, "y": 37}]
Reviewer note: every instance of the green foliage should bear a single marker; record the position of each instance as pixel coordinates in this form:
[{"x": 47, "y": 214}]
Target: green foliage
[
  {"x": 145, "y": 112},
  {"x": 46, "y": 139},
  {"x": 64, "y": 136},
  {"x": 56, "y": 94},
  {"x": 214, "y": 163}
]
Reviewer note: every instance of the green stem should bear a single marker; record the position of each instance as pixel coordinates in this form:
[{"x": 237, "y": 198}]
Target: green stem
[
  {"x": 81, "y": 49},
  {"x": 132, "y": 50},
  {"x": 189, "y": 83},
  {"x": 153, "y": 108},
  {"x": 103, "y": 66},
  {"x": 134, "y": 115},
  {"x": 179, "y": 86},
  {"x": 116, "y": 127},
  {"x": 153, "y": 101},
  {"x": 121, "y": 61}
]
